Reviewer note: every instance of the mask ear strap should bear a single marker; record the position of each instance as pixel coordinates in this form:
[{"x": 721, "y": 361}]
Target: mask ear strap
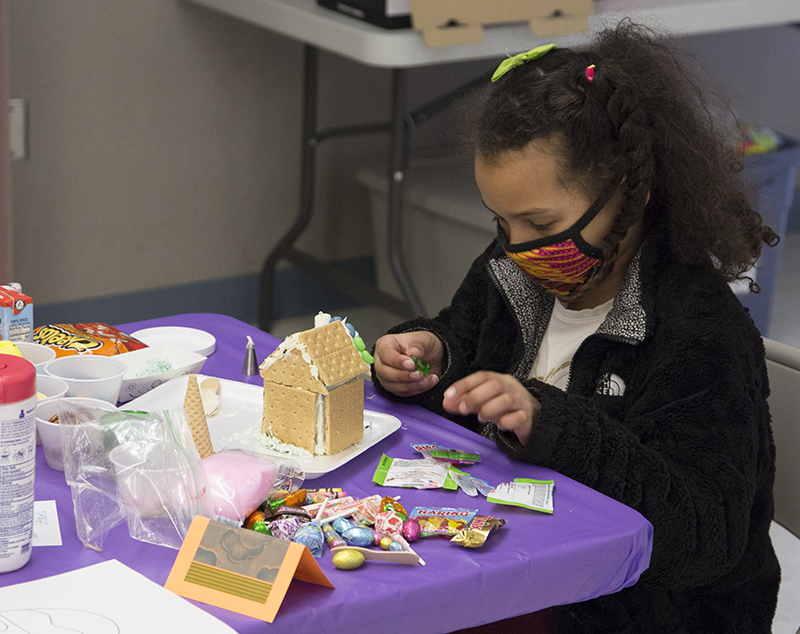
[
  {"x": 576, "y": 228},
  {"x": 591, "y": 213}
]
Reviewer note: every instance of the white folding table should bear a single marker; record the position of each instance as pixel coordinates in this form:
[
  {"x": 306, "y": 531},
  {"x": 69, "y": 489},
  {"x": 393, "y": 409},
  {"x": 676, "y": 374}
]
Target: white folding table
[{"x": 320, "y": 28}]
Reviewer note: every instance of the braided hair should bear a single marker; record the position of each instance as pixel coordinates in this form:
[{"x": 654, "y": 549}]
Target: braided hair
[{"x": 641, "y": 121}]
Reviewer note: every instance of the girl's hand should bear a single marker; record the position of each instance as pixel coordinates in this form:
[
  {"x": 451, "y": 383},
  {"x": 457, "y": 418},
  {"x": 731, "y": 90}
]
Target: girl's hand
[
  {"x": 395, "y": 369},
  {"x": 497, "y": 398}
]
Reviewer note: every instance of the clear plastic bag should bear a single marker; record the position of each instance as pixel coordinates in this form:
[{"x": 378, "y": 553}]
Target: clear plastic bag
[
  {"x": 88, "y": 470},
  {"x": 133, "y": 466}
]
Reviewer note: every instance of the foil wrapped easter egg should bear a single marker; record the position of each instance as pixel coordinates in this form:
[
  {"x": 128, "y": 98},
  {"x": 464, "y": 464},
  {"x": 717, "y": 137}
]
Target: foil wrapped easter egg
[
  {"x": 348, "y": 559},
  {"x": 386, "y": 542},
  {"x": 358, "y": 536},
  {"x": 411, "y": 530},
  {"x": 395, "y": 547},
  {"x": 342, "y": 524}
]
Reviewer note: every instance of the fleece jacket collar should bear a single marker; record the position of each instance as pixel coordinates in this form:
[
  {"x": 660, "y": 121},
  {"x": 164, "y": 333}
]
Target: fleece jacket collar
[{"x": 532, "y": 306}]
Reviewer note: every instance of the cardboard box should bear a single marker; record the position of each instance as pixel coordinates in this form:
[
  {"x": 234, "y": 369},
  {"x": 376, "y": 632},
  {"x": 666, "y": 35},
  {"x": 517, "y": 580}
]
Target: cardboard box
[
  {"x": 456, "y": 22},
  {"x": 389, "y": 14},
  {"x": 16, "y": 315}
]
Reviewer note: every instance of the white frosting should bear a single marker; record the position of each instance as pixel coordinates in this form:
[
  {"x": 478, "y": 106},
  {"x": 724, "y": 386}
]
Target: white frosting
[
  {"x": 270, "y": 442},
  {"x": 321, "y": 319},
  {"x": 288, "y": 346},
  {"x": 319, "y": 426}
]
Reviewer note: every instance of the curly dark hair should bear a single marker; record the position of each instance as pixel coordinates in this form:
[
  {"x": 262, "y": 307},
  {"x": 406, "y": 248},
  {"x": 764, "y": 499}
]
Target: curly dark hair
[{"x": 642, "y": 121}]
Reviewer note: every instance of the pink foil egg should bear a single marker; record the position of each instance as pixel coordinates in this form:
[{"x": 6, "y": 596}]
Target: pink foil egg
[{"x": 411, "y": 530}]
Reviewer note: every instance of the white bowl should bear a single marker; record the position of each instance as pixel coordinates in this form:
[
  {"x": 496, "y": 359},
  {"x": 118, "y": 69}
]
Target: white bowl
[
  {"x": 52, "y": 387},
  {"x": 140, "y": 376},
  {"x": 36, "y": 353},
  {"x": 192, "y": 339},
  {"x": 89, "y": 376},
  {"x": 50, "y": 433}
]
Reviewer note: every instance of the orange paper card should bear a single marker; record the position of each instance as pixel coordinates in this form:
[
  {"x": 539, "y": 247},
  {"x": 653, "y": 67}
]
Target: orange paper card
[{"x": 238, "y": 569}]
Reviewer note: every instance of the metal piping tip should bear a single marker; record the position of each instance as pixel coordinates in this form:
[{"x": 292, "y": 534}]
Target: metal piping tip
[{"x": 250, "y": 366}]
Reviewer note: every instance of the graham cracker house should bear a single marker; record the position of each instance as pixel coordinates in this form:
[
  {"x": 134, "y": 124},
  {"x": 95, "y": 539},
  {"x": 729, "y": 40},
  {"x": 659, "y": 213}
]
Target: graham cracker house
[{"x": 314, "y": 390}]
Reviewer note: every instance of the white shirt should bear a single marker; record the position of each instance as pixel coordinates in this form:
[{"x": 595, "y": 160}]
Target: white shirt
[{"x": 565, "y": 333}]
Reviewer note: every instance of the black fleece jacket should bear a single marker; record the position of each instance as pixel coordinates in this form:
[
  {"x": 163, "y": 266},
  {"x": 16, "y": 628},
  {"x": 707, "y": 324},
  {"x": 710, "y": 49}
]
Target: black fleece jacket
[{"x": 665, "y": 411}]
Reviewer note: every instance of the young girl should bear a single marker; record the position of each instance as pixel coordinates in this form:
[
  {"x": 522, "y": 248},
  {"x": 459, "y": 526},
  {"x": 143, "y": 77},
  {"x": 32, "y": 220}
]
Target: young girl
[{"x": 598, "y": 335}]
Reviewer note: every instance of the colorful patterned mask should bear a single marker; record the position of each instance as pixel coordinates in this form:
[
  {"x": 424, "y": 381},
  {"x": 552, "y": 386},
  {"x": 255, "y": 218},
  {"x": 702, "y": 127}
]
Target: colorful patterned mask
[{"x": 561, "y": 263}]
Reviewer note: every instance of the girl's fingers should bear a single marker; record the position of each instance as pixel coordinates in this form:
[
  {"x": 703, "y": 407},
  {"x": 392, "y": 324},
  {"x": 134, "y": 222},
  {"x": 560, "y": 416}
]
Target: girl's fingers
[
  {"x": 512, "y": 420},
  {"x": 496, "y": 407},
  {"x": 469, "y": 394},
  {"x": 411, "y": 388}
]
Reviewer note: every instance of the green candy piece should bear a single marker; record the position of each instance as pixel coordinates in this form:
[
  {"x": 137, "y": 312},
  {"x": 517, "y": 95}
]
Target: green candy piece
[
  {"x": 421, "y": 365},
  {"x": 260, "y": 527},
  {"x": 368, "y": 358},
  {"x": 358, "y": 342}
]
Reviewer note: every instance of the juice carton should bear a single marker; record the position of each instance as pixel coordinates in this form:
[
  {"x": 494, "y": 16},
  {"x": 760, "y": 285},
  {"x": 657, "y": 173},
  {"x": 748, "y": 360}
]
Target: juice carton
[{"x": 16, "y": 314}]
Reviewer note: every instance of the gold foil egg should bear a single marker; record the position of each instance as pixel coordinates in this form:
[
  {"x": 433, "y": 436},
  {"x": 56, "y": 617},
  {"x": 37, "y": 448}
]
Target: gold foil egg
[{"x": 348, "y": 559}]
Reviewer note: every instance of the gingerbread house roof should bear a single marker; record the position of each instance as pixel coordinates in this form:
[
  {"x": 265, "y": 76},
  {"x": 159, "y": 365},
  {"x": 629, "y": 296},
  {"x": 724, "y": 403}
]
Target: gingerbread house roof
[{"x": 316, "y": 359}]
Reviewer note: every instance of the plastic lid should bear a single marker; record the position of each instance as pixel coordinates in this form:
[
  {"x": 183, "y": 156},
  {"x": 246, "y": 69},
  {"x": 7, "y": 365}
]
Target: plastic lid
[{"x": 17, "y": 379}]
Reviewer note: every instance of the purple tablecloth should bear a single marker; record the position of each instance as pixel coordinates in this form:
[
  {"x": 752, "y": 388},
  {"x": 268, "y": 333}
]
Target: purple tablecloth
[{"x": 590, "y": 546}]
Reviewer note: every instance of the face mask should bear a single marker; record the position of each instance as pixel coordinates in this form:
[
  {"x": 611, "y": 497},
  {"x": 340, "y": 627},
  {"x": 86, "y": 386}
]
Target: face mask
[{"x": 561, "y": 263}]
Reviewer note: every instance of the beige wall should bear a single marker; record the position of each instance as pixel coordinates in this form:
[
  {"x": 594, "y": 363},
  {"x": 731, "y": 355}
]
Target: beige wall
[
  {"x": 164, "y": 146},
  {"x": 165, "y": 142}
]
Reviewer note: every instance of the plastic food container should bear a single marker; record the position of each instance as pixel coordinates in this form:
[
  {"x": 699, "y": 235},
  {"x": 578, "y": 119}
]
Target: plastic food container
[{"x": 89, "y": 376}]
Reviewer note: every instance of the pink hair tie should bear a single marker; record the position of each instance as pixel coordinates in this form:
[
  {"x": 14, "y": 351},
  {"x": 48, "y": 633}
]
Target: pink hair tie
[{"x": 590, "y": 73}]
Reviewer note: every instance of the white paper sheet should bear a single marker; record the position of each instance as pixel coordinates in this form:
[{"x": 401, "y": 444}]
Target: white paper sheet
[
  {"x": 105, "y": 598},
  {"x": 46, "y": 530}
]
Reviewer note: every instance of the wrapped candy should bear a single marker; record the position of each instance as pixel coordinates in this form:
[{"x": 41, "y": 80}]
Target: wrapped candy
[
  {"x": 332, "y": 538},
  {"x": 367, "y": 508},
  {"x": 389, "y": 523},
  {"x": 316, "y": 496},
  {"x": 298, "y": 498},
  {"x": 411, "y": 529},
  {"x": 358, "y": 536},
  {"x": 310, "y": 535},
  {"x": 285, "y": 527},
  {"x": 390, "y": 504},
  {"x": 441, "y": 521},
  {"x": 477, "y": 531},
  {"x": 343, "y": 524}
]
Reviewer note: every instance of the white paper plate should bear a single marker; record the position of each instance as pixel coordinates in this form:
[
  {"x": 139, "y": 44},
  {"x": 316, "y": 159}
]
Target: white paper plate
[
  {"x": 191, "y": 339},
  {"x": 135, "y": 382},
  {"x": 238, "y": 423}
]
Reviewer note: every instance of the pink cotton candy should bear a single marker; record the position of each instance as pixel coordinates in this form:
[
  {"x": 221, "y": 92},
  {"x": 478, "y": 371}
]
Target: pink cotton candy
[{"x": 238, "y": 482}]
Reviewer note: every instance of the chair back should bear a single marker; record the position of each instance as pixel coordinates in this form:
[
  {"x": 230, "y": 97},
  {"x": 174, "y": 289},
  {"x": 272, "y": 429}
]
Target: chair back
[{"x": 783, "y": 368}]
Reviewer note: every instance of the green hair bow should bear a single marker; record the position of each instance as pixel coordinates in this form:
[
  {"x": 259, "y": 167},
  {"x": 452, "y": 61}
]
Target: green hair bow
[{"x": 518, "y": 60}]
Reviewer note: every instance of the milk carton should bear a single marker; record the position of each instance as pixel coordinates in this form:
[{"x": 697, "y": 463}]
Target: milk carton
[{"x": 16, "y": 314}]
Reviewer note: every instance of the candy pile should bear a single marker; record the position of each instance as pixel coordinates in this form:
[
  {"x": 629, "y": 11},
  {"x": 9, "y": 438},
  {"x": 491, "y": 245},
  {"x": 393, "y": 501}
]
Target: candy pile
[
  {"x": 354, "y": 529},
  {"x": 315, "y": 517}
]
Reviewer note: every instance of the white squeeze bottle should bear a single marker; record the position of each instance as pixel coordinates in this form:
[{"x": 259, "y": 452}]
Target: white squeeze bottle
[{"x": 17, "y": 460}]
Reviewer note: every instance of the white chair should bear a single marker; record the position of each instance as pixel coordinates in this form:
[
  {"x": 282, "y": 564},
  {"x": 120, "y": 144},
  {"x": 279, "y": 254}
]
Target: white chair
[{"x": 783, "y": 367}]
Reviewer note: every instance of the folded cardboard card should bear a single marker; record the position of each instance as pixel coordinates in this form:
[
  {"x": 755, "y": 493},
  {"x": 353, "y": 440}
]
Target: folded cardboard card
[{"x": 240, "y": 570}]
